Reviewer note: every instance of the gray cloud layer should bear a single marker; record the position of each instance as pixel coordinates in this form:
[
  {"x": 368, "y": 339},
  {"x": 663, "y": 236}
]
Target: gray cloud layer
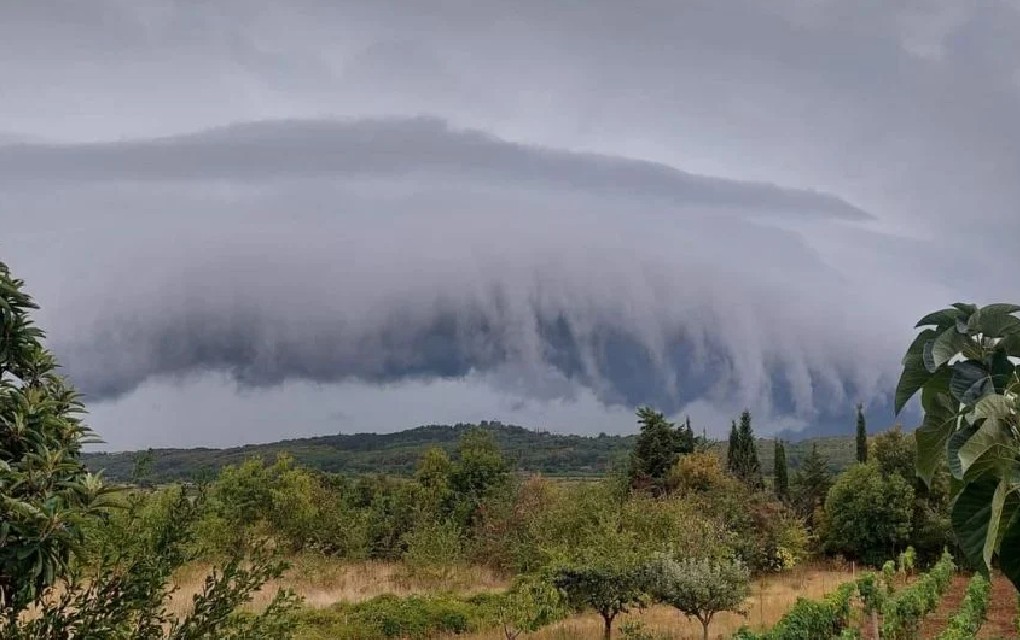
[{"x": 735, "y": 203}]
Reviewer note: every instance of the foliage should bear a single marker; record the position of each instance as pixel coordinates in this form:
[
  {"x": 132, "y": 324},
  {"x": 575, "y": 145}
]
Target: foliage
[
  {"x": 811, "y": 485},
  {"x": 699, "y": 588},
  {"x": 659, "y": 445},
  {"x": 607, "y": 585},
  {"x": 968, "y": 619},
  {"x": 529, "y": 605},
  {"x": 389, "y": 616},
  {"x": 124, "y": 591},
  {"x": 742, "y": 456},
  {"x": 902, "y": 613},
  {"x": 868, "y": 514},
  {"x": 861, "y": 436},
  {"x": 50, "y": 507},
  {"x": 780, "y": 473},
  {"x": 45, "y": 493},
  {"x": 962, "y": 363},
  {"x": 811, "y": 619}
]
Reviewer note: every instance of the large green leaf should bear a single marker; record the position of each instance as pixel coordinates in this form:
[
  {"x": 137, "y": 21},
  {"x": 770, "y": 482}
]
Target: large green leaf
[
  {"x": 917, "y": 346},
  {"x": 957, "y": 440},
  {"x": 995, "y": 320},
  {"x": 947, "y": 345},
  {"x": 993, "y": 406},
  {"x": 1001, "y": 369},
  {"x": 942, "y": 318},
  {"x": 1009, "y": 550},
  {"x": 938, "y": 425},
  {"x": 912, "y": 379},
  {"x": 970, "y": 381},
  {"x": 965, "y": 308},
  {"x": 991, "y": 432},
  {"x": 971, "y": 514}
]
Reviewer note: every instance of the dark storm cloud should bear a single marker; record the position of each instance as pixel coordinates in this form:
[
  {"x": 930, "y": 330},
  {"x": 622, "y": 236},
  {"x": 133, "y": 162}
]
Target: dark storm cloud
[{"x": 426, "y": 148}]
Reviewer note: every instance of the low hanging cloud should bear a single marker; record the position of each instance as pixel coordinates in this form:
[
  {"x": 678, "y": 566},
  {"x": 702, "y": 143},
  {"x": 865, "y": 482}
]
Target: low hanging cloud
[{"x": 390, "y": 250}]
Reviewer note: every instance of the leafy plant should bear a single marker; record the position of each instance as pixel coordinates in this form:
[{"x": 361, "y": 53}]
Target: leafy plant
[
  {"x": 607, "y": 587},
  {"x": 902, "y": 613},
  {"x": 962, "y": 363},
  {"x": 971, "y": 614},
  {"x": 811, "y": 619}
]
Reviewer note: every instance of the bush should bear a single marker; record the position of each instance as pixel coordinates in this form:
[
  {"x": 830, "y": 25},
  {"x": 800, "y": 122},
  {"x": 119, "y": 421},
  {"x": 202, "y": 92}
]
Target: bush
[
  {"x": 811, "y": 619},
  {"x": 868, "y": 514},
  {"x": 971, "y": 615},
  {"x": 699, "y": 588},
  {"x": 902, "y": 613}
]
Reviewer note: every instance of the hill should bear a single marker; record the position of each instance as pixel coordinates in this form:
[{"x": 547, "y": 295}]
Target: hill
[{"x": 397, "y": 453}]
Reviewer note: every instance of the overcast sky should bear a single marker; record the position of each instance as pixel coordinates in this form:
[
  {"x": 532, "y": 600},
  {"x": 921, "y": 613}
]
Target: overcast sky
[{"x": 247, "y": 220}]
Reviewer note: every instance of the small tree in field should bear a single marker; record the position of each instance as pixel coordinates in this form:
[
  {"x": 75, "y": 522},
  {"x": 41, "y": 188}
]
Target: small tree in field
[
  {"x": 699, "y": 588},
  {"x": 531, "y": 604},
  {"x": 608, "y": 588}
]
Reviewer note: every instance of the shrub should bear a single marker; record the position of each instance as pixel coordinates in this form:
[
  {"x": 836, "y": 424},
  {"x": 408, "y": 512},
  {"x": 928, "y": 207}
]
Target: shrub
[
  {"x": 902, "y": 613},
  {"x": 971, "y": 614},
  {"x": 811, "y": 619}
]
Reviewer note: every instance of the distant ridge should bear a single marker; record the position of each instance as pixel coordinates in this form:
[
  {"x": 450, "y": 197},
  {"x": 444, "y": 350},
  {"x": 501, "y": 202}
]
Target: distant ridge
[{"x": 397, "y": 453}]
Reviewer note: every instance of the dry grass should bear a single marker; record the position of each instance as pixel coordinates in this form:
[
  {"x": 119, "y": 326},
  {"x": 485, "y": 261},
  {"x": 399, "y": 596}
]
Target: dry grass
[
  {"x": 770, "y": 599},
  {"x": 323, "y": 581}
]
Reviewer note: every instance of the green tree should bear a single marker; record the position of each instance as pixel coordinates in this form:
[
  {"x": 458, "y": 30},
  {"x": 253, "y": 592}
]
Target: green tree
[
  {"x": 699, "y": 588},
  {"x": 780, "y": 473},
  {"x": 658, "y": 447},
  {"x": 49, "y": 505},
  {"x": 811, "y": 484},
  {"x": 608, "y": 587},
  {"x": 479, "y": 473},
  {"x": 963, "y": 364},
  {"x": 46, "y": 494},
  {"x": 733, "y": 449},
  {"x": 862, "y": 435},
  {"x": 868, "y": 514},
  {"x": 746, "y": 464}
]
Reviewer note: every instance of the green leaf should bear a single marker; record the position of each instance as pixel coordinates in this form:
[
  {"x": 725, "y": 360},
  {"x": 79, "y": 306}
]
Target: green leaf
[
  {"x": 1002, "y": 370},
  {"x": 957, "y": 440},
  {"x": 938, "y": 425},
  {"x": 994, "y": 517},
  {"x": 1009, "y": 563},
  {"x": 972, "y": 511},
  {"x": 912, "y": 379},
  {"x": 965, "y": 308},
  {"x": 970, "y": 381},
  {"x": 993, "y": 406},
  {"x": 949, "y": 343},
  {"x": 995, "y": 321},
  {"x": 941, "y": 318},
  {"x": 991, "y": 432},
  {"x": 917, "y": 346}
]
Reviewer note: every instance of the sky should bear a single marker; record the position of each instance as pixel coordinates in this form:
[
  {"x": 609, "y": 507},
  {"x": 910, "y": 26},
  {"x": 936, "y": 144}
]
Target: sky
[{"x": 247, "y": 220}]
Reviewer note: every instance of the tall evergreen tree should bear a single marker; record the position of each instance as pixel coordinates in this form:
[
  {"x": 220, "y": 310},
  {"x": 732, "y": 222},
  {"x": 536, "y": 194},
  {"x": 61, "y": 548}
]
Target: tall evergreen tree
[
  {"x": 658, "y": 447},
  {"x": 780, "y": 474},
  {"x": 687, "y": 441},
  {"x": 748, "y": 466},
  {"x": 811, "y": 484},
  {"x": 862, "y": 436},
  {"x": 733, "y": 449}
]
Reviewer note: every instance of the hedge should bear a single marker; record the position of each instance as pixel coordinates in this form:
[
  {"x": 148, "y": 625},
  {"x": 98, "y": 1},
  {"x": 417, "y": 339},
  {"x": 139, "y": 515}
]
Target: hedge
[
  {"x": 968, "y": 619},
  {"x": 902, "y": 612}
]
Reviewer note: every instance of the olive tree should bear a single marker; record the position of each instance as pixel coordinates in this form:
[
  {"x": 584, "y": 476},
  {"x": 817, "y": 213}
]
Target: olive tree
[
  {"x": 699, "y": 587},
  {"x": 963, "y": 364}
]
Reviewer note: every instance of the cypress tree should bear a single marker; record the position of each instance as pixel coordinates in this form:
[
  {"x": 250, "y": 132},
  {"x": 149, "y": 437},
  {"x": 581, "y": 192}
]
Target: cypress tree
[
  {"x": 862, "y": 436},
  {"x": 657, "y": 450},
  {"x": 733, "y": 449},
  {"x": 780, "y": 474},
  {"x": 748, "y": 465},
  {"x": 686, "y": 437}
]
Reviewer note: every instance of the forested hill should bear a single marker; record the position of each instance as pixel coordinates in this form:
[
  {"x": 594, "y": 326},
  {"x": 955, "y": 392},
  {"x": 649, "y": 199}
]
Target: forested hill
[{"x": 397, "y": 453}]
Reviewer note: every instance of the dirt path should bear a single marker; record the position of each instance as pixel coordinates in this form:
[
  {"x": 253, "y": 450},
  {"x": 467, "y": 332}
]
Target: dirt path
[
  {"x": 1002, "y": 610},
  {"x": 936, "y": 621}
]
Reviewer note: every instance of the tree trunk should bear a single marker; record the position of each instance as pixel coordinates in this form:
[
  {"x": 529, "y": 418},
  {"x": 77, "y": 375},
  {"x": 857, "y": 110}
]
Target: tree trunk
[
  {"x": 607, "y": 630},
  {"x": 704, "y": 628}
]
